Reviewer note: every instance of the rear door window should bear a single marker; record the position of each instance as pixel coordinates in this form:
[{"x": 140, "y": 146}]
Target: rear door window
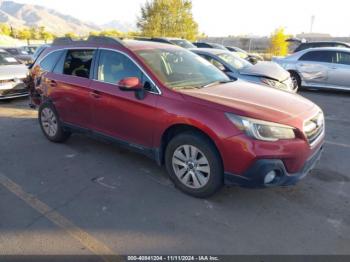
[
  {"x": 78, "y": 62},
  {"x": 49, "y": 61},
  {"x": 343, "y": 58},
  {"x": 319, "y": 56}
]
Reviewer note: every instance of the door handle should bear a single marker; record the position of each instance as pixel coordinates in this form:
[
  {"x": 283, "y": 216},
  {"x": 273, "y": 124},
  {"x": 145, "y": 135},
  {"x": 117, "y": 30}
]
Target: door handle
[{"x": 95, "y": 94}]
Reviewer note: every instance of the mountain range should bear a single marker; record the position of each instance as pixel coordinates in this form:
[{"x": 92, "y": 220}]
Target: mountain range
[{"x": 25, "y": 15}]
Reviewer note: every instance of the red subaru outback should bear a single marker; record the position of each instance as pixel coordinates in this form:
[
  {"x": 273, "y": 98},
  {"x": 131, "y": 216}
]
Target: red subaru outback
[{"x": 177, "y": 108}]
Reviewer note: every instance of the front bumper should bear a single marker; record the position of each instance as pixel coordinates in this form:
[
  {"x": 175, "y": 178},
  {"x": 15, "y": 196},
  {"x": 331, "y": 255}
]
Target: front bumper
[
  {"x": 17, "y": 90},
  {"x": 254, "y": 176}
]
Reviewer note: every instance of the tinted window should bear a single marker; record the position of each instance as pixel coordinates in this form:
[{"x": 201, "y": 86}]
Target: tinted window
[
  {"x": 114, "y": 66},
  {"x": 12, "y": 51},
  {"x": 38, "y": 51},
  {"x": 50, "y": 60},
  {"x": 7, "y": 59},
  {"x": 78, "y": 63},
  {"x": 202, "y": 45},
  {"x": 216, "y": 63},
  {"x": 343, "y": 58},
  {"x": 218, "y": 46},
  {"x": 183, "y": 43},
  {"x": 319, "y": 56},
  {"x": 58, "y": 69},
  {"x": 178, "y": 68}
]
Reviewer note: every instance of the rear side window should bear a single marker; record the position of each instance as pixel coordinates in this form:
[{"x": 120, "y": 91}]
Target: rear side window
[
  {"x": 49, "y": 61},
  {"x": 58, "y": 69},
  {"x": 319, "y": 56},
  {"x": 343, "y": 58},
  {"x": 78, "y": 63}
]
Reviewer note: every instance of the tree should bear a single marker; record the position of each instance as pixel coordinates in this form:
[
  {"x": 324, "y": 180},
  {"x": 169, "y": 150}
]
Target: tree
[
  {"x": 5, "y": 29},
  {"x": 45, "y": 35},
  {"x": 35, "y": 33},
  {"x": 278, "y": 44},
  {"x": 168, "y": 18},
  {"x": 111, "y": 33},
  {"x": 71, "y": 35},
  {"x": 24, "y": 34},
  {"x": 94, "y": 33}
]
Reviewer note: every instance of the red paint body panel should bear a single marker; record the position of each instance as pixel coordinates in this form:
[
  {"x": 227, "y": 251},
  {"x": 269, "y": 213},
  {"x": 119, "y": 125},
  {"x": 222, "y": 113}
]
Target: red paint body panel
[
  {"x": 119, "y": 114},
  {"x": 105, "y": 108}
]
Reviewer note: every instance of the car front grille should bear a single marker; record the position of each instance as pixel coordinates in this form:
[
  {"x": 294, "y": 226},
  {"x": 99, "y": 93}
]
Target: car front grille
[{"x": 314, "y": 128}]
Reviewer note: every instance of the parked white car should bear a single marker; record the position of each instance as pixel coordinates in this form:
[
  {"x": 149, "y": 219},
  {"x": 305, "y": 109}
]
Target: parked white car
[
  {"x": 326, "y": 67},
  {"x": 12, "y": 77}
]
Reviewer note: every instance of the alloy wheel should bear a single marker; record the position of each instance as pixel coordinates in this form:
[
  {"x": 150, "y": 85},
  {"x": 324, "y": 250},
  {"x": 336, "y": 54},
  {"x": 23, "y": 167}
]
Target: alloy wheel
[
  {"x": 191, "y": 166},
  {"x": 49, "y": 122}
]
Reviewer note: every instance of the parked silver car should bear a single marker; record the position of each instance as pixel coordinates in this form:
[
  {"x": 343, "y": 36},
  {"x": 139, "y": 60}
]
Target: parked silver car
[
  {"x": 265, "y": 73},
  {"x": 12, "y": 77},
  {"x": 326, "y": 67},
  {"x": 20, "y": 54}
]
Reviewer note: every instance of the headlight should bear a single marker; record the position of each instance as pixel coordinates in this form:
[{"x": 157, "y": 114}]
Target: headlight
[
  {"x": 262, "y": 130},
  {"x": 269, "y": 82}
]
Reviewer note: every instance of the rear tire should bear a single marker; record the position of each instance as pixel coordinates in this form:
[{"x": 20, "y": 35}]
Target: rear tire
[
  {"x": 194, "y": 165},
  {"x": 296, "y": 80},
  {"x": 51, "y": 125}
]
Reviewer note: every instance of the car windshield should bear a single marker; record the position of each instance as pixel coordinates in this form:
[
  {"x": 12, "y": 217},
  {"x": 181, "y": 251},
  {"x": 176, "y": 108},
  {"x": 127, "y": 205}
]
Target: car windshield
[
  {"x": 218, "y": 46},
  {"x": 183, "y": 43},
  {"x": 7, "y": 59},
  {"x": 234, "y": 61},
  {"x": 240, "y": 50},
  {"x": 29, "y": 49},
  {"x": 16, "y": 51},
  {"x": 179, "y": 68}
]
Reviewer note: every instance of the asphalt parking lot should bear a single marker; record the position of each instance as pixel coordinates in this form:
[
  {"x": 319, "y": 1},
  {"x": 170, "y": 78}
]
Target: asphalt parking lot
[{"x": 86, "y": 196}]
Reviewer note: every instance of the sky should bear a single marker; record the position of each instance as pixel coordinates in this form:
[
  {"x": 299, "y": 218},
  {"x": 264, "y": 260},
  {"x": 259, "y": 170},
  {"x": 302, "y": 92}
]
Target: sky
[{"x": 225, "y": 17}]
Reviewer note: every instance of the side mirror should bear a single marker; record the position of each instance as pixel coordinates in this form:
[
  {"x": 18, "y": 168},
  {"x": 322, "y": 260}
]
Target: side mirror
[{"x": 130, "y": 84}]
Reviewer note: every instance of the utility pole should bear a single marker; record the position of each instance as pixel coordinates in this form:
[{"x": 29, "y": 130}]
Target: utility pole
[{"x": 312, "y": 23}]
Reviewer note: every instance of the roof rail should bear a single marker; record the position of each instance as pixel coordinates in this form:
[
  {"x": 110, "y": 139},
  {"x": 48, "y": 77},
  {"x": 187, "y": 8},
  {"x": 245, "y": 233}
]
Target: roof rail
[
  {"x": 90, "y": 40},
  {"x": 62, "y": 41},
  {"x": 105, "y": 40},
  {"x": 154, "y": 39}
]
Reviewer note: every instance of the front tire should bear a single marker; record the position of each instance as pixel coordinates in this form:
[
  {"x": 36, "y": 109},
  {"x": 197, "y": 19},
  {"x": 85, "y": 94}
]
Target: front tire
[
  {"x": 194, "y": 165},
  {"x": 296, "y": 80},
  {"x": 50, "y": 124}
]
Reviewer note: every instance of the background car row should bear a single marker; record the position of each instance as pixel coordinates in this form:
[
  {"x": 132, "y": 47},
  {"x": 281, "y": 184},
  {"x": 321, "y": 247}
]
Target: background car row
[{"x": 312, "y": 65}]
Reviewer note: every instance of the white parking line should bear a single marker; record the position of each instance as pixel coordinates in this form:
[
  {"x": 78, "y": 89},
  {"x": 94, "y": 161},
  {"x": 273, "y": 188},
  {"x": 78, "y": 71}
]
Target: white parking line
[
  {"x": 94, "y": 245},
  {"x": 338, "y": 144}
]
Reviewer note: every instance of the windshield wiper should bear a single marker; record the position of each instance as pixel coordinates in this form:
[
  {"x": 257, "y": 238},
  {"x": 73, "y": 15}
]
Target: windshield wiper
[{"x": 217, "y": 83}]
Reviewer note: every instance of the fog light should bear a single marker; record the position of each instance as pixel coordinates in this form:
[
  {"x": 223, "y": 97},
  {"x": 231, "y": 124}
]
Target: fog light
[{"x": 270, "y": 177}]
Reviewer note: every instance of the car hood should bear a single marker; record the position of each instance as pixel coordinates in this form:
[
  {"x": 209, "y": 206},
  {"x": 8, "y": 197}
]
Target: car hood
[
  {"x": 266, "y": 69},
  {"x": 13, "y": 71},
  {"x": 252, "y": 100}
]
